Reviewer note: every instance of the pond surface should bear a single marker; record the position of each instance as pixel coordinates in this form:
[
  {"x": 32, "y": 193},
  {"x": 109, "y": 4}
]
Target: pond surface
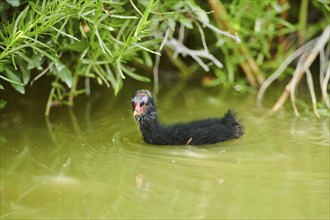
[{"x": 91, "y": 162}]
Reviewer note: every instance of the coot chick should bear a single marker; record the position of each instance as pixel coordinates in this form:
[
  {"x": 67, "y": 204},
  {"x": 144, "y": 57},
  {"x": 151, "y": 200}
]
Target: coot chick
[{"x": 207, "y": 131}]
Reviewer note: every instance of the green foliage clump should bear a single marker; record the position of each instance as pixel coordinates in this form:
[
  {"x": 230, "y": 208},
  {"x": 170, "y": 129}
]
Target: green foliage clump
[
  {"x": 74, "y": 39},
  {"x": 76, "y": 43},
  {"x": 91, "y": 40}
]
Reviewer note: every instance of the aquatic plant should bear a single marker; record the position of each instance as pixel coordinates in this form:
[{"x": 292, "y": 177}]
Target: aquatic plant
[
  {"x": 274, "y": 34},
  {"x": 74, "y": 44},
  {"x": 79, "y": 40},
  {"x": 307, "y": 55}
]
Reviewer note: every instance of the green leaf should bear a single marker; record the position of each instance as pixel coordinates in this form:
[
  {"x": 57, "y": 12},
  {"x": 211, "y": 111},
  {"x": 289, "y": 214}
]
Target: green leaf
[
  {"x": 14, "y": 80},
  {"x": 1, "y": 87},
  {"x": 134, "y": 75},
  {"x": 118, "y": 86},
  {"x": 25, "y": 72},
  {"x": 36, "y": 61},
  {"x": 76, "y": 46},
  {"x": 64, "y": 73},
  {"x": 2, "y": 103},
  {"x": 2, "y": 67},
  {"x": 198, "y": 11},
  {"x": 186, "y": 22},
  {"x": 147, "y": 59},
  {"x": 19, "y": 17},
  {"x": 14, "y": 3}
]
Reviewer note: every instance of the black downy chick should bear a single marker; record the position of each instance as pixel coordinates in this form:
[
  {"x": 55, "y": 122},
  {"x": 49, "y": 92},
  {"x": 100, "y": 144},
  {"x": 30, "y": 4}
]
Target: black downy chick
[{"x": 206, "y": 131}]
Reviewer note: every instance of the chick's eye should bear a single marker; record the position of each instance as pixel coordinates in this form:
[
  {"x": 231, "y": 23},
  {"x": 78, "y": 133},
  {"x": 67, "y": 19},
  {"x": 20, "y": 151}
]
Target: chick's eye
[{"x": 142, "y": 103}]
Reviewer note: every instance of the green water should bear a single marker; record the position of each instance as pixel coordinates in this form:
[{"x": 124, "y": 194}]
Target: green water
[{"x": 91, "y": 163}]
